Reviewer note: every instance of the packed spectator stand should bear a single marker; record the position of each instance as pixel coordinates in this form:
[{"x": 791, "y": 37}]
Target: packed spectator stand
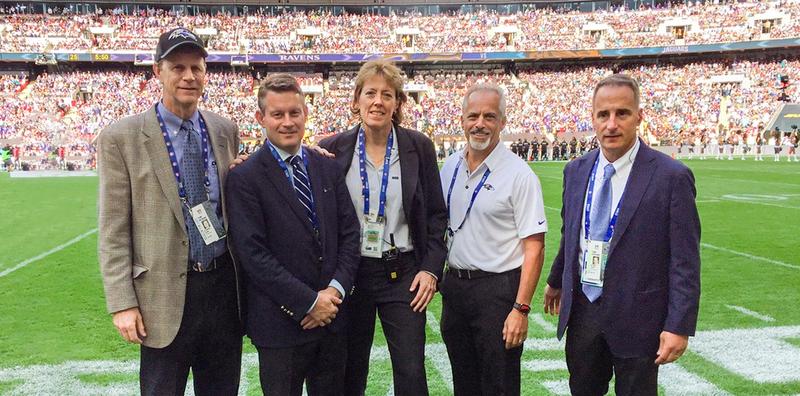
[
  {"x": 53, "y": 119},
  {"x": 323, "y": 32}
]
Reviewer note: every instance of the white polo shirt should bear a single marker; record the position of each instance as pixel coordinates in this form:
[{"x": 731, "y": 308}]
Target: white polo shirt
[{"x": 508, "y": 208}]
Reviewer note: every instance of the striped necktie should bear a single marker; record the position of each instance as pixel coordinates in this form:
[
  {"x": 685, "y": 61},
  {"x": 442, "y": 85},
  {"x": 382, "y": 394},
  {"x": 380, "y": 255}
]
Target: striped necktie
[{"x": 302, "y": 188}]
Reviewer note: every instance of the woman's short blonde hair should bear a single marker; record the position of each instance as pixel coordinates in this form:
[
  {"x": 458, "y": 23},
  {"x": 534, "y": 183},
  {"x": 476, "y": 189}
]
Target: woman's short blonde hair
[{"x": 392, "y": 75}]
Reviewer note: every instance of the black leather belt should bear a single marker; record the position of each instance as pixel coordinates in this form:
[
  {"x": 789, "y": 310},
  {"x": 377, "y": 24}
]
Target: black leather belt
[
  {"x": 219, "y": 262},
  {"x": 473, "y": 274},
  {"x": 402, "y": 256}
]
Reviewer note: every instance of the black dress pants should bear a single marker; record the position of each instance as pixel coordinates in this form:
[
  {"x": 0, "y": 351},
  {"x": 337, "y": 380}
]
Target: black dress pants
[
  {"x": 209, "y": 341},
  {"x": 591, "y": 363},
  {"x": 320, "y": 364},
  {"x": 404, "y": 329},
  {"x": 473, "y": 314}
]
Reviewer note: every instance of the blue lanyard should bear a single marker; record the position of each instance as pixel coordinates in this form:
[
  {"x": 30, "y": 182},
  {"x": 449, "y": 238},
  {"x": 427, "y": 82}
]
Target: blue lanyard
[
  {"x": 285, "y": 170},
  {"x": 362, "y": 168},
  {"x": 588, "y": 211},
  {"x": 173, "y": 158},
  {"x": 474, "y": 194}
]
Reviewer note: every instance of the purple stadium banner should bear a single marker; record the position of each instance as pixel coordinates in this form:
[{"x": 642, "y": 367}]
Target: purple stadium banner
[{"x": 421, "y": 57}]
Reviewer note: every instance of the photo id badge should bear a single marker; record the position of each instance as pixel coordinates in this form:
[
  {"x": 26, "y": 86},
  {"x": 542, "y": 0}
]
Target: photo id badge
[
  {"x": 594, "y": 263},
  {"x": 372, "y": 237},
  {"x": 206, "y": 221}
]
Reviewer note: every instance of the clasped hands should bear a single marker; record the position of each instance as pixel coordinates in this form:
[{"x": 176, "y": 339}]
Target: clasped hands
[{"x": 324, "y": 311}]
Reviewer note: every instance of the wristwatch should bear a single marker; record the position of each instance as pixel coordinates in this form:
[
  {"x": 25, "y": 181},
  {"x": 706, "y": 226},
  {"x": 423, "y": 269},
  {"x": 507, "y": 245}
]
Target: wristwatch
[{"x": 524, "y": 309}]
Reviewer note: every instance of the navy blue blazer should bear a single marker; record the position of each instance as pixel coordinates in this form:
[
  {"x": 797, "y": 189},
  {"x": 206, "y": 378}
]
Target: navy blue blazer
[
  {"x": 652, "y": 280},
  {"x": 285, "y": 264},
  {"x": 423, "y": 201}
]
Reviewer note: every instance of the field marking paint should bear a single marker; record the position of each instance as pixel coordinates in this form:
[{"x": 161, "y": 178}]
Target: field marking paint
[
  {"x": 536, "y": 365},
  {"x": 728, "y": 197},
  {"x": 749, "y": 181},
  {"x": 47, "y": 253},
  {"x": 553, "y": 209},
  {"x": 676, "y": 380},
  {"x": 437, "y": 353},
  {"x": 750, "y": 256},
  {"x": 760, "y": 355},
  {"x": 706, "y": 200},
  {"x": 557, "y": 387},
  {"x": 762, "y": 317},
  {"x": 542, "y": 322}
]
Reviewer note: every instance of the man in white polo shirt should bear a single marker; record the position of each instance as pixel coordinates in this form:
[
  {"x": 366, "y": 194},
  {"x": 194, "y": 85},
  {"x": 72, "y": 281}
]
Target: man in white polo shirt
[{"x": 495, "y": 239}]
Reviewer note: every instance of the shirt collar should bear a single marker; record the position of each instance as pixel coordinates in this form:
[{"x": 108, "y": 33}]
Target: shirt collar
[
  {"x": 626, "y": 159},
  {"x": 173, "y": 122},
  {"x": 285, "y": 155},
  {"x": 395, "y": 152},
  {"x": 493, "y": 160}
]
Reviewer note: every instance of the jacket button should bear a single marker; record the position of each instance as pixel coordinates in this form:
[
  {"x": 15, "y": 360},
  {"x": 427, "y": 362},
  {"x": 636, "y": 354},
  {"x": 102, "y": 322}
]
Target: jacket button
[
  {"x": 185, "y": 243},
  {"x": 183, "y": 275},
  {"x": 319, "y": 259}
]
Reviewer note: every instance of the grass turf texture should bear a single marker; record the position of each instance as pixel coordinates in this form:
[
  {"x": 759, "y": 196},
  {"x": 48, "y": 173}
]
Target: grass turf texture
[{"x": 53, "y": 309}]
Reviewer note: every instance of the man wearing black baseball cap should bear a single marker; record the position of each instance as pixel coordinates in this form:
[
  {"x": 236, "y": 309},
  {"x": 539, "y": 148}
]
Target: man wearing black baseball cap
[{"x": 170, "y": 281}]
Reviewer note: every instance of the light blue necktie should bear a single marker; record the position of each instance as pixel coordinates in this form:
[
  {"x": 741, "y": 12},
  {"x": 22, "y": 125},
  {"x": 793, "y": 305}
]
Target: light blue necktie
[
  {"x": 598, "y": 222},
  {"x": 193, "y": 175}
]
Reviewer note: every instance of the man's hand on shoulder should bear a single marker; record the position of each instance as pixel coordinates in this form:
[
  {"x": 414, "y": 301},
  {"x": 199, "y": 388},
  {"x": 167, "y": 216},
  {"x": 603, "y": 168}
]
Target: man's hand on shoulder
[
  {"x": 321, "y": 151},
  {"x": 238, "y": 160},
  {"x": 130, "y": 325},
  {"x": 671, "y": 347}
]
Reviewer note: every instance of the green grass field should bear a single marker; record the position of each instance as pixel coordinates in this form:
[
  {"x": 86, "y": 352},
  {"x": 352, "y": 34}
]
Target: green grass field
[{"x": 748, "y": 343}]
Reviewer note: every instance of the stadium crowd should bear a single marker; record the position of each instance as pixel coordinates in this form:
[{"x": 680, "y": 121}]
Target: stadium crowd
[
  {"x": 680, "y": 101},
  {"x": 323, "y": 32}
]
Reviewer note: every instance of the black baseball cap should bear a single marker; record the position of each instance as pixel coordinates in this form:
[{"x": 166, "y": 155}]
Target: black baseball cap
[{"x": 175, "y": 38}]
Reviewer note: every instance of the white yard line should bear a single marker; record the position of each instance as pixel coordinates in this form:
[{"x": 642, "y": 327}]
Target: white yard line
[
  {"x": 759, "y": 203},
  {"x": 762, "y": 317},
  {"x": 542, "y": 322},
  {"x": 47, "y": 253},
  {"x": 750, "y": 256}
]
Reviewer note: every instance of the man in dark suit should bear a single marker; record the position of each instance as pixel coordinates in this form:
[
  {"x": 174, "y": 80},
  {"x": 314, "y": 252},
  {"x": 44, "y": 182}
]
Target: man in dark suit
[
  {"x": 626, "y": 281},
  {"x": 295, "y": 232}
]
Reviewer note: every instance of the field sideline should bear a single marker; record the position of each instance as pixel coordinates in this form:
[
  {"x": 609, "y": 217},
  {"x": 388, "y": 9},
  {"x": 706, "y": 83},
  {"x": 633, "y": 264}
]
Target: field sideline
[{"x": 748, "y": 342}]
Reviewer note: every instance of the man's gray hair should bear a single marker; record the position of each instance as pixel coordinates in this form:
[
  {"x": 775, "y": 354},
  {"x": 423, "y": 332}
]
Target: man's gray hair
[
  {"x": 620, "y": 80},
  {"x": 486, "y": 87}
]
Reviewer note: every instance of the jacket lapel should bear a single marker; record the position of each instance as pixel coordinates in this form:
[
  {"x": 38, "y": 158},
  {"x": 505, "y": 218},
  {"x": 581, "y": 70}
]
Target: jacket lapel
[
  {"x": 639, "y": 179},
  {"x": 577, "y": 197},
  {"x": 278, "y": 178},
  {"x": 318, "y": 190},
  {"x": 409, "y": 168},
  {"x": 346, "y": 149},
  {"x": 157, "y": 151},
  {"x": 221, "y": 155}
]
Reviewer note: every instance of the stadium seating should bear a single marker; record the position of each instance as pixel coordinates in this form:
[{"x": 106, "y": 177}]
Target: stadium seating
[{"x": 318, "y": 32}]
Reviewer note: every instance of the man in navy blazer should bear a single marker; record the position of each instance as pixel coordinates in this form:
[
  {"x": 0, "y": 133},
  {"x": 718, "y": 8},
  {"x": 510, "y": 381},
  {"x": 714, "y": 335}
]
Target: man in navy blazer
[
  {"x": 638, "y": 311},
  {"x": 295, "y": 232}
]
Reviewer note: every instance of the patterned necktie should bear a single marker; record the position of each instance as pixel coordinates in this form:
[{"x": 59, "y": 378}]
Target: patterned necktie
[
  {"x": 193, "y": 175},
  {"x": 599, "y": 219},
  {"x": 302, "y": 187}
]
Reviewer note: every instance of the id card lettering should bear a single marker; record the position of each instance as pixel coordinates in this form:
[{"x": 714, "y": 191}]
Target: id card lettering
[
  {"x": 206, "y": 221},
  {"x": 594, "y": 263},
  {"x": 372, "y": 237}
]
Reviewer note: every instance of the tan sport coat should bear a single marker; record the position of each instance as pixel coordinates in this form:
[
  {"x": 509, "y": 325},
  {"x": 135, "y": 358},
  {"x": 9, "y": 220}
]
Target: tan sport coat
[{"x": 143, "y": 246}]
